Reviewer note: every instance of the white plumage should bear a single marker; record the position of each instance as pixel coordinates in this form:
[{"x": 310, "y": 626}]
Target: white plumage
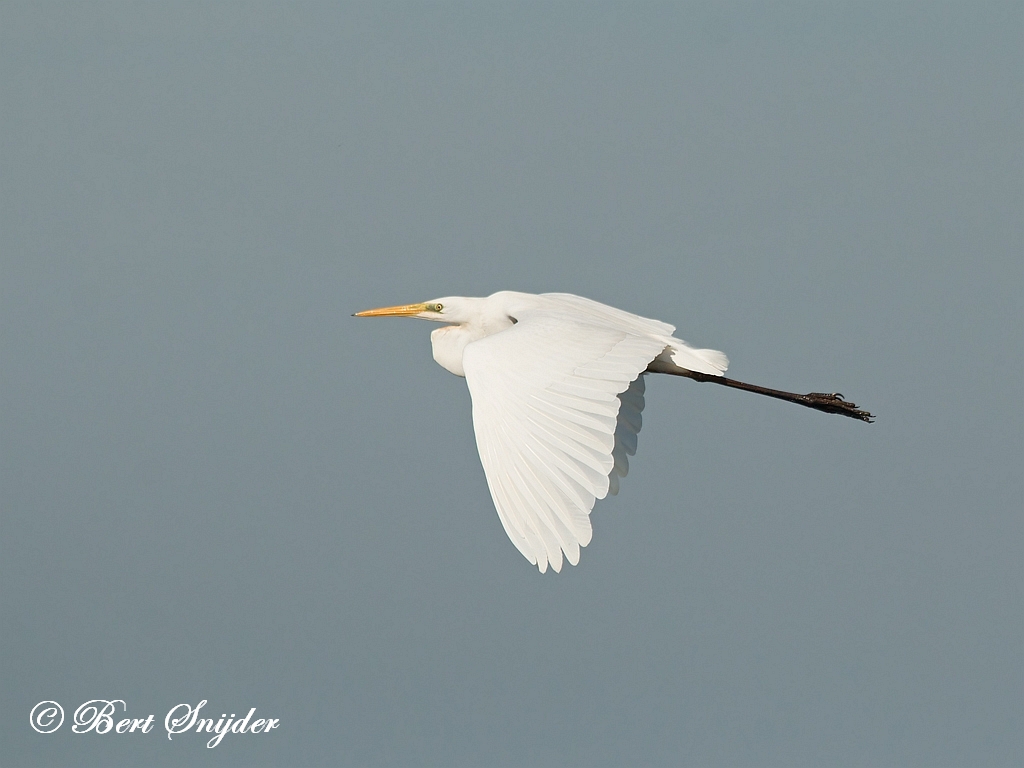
[{"x": 557, "y": 389}]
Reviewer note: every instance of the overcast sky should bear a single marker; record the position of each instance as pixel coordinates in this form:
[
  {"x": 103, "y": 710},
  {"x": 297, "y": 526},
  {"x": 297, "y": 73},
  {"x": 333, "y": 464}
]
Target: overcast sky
[{"x": 216, "y": 484}]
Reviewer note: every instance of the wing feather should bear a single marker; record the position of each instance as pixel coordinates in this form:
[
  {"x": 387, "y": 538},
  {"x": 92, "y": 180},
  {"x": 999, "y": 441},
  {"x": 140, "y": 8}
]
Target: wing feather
[
  {"x": 556, "y": 410},
  {"x": 626, "y": 429}
]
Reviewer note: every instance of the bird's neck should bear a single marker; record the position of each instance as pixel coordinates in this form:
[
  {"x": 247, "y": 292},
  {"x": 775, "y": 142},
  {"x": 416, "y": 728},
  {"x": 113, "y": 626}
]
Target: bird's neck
[{"x": 448, "y": 344}]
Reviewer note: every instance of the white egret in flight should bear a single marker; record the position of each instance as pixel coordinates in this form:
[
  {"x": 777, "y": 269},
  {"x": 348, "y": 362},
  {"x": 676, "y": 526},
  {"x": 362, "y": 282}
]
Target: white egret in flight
[{"x": 557, "y": 383}]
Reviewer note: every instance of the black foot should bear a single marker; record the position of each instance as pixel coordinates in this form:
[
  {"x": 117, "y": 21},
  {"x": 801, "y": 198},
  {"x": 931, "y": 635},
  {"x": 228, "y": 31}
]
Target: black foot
[{"x": 834, "y": 403}]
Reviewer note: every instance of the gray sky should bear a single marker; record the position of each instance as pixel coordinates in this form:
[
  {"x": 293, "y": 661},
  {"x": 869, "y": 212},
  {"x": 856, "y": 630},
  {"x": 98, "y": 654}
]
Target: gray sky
[{"x": 216, "y": 484}]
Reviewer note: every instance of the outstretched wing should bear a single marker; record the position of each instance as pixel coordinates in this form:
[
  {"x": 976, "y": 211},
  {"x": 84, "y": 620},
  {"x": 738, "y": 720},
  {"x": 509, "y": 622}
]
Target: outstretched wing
[
  {"x": 547, "y": 396},
  {"x": 627, "y": 427},
  {"x": 676, "y": 353}
]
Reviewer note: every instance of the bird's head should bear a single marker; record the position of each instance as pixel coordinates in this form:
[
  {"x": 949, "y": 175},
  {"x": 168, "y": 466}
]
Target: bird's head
[{"x": 451, "y": 309}]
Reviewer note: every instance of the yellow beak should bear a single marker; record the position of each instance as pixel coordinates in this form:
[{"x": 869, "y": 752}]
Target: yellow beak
[{"x": 405, "y": 310}]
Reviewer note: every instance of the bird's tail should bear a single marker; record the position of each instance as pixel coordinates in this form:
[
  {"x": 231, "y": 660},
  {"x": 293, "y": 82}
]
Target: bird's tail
[{"x": 709, "y": 361}]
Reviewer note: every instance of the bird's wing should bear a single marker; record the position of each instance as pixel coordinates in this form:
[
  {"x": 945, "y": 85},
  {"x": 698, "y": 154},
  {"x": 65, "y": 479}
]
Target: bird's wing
[
  {"x": 677, "y": 351},
  {"x": 603, "y": 314},
  {"x": 546, "y": 406},
  {"x": 627, "y": 427}
]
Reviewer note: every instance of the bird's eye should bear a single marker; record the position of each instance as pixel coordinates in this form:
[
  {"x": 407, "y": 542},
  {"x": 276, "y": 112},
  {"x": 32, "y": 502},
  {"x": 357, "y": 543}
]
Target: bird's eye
[{"x": 438, "y": 307}]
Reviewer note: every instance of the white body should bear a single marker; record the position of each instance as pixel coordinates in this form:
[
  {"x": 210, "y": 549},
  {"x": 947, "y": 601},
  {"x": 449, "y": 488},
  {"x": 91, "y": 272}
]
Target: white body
[
  {"x": 557, "y": 387},
  {"x": 557, "y": 395}
]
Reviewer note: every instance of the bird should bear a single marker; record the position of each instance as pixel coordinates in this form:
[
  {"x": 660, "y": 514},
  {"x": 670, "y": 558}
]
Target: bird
[{"x": 557, "y": 388}]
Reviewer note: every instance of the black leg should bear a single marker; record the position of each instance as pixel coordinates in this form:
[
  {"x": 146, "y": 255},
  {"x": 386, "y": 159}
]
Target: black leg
[{"x": 819, "y": 401}]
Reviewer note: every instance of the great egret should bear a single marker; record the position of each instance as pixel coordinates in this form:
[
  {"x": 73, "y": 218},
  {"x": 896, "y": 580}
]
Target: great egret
[{"x": 557, "y": 383}]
